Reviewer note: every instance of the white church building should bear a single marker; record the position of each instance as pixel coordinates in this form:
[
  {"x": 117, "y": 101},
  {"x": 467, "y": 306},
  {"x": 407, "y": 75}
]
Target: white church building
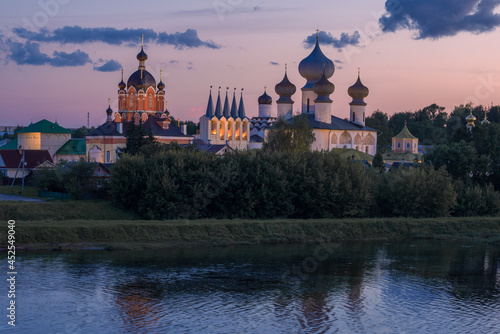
[{"x": 232, "y": 127}]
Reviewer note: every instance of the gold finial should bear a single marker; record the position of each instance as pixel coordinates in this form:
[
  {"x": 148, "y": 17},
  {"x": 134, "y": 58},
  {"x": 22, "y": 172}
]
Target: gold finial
[
  {"x": 109, "y": 102},
  {"x": 142, "y": 40},
  {"x": 265, "y": 87},
  {"x": 285, "y": 67},
  {"x": 122, "y": 74},
  {"x": 161, "y": 72},
  {"x": 317, "y": 33},
  {"x": 141, "y": 73},
  {"x": 359, "y": 71}
]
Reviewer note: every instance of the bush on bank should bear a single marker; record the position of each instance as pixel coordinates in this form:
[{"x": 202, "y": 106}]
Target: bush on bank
[{"x": 187, "y": 184}]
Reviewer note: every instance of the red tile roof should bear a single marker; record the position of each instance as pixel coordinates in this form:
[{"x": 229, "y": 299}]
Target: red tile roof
[{"x": 33, "y": 158}]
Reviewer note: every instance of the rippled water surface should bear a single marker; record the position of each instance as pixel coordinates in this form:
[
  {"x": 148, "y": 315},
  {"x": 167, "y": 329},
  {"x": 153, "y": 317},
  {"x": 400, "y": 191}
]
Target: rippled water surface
[{"x": 366, "y": 287}]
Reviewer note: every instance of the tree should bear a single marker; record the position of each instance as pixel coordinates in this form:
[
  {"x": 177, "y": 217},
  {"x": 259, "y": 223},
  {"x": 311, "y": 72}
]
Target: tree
[
  {"x": 378, "y": 162},
  {"x": 295, "y": 136},
  {"x": 380, "y": 121},
  {"x": 136, "y": 138}
]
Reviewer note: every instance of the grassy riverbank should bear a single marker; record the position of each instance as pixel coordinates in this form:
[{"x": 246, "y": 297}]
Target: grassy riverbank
[{"x": 137, "y": 234}]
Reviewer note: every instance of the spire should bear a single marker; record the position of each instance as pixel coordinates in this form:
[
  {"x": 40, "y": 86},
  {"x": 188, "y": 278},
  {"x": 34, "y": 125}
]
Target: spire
[
  {"x": 225, "y": 112},
  {"x": 218, "y": 112},
  {"x": 317, "y": 34},
  {"x": 234, "y": 108},
  {"x": 285, "y": 89},
  {"x": 241, "y": 109},
  {"x": 161, "y": 85},
  {"x": 358, "y": 92},
  {"x": 142, "y": 56},
  {"x": 109, "y": 111},
  {"x": 210, "y": 106},
  {"x": 122, "y": 84},
  {"x": 485, "y": 120}
]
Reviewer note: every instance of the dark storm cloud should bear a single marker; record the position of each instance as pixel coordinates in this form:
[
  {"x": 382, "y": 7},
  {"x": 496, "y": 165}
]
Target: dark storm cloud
[
  {"x": 109, "y": 66},
  {"x": 325, "y": 38},
  {"x": 435, "y": 19},
  {"x": 113, "y": 36},
  {"x": 29, "y": 54}
]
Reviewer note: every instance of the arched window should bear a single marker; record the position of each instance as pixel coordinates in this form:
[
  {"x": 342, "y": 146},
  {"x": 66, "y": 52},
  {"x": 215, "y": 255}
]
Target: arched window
[
  {"x": 366, "y": 150},
  {"x": 399, "y": 145},
  {"x": 150, "y": 101},
  {"x": 131, "y": 100},
  {"x": 408, "y": 145},
  {"x": 308, "y": 106}
]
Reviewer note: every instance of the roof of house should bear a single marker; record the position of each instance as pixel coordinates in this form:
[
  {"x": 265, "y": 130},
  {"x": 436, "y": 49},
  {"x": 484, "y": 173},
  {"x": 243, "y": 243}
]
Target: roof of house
[
  {"x": 70, "y": 164},
  {"x": 348, "y": 153},
  {"x": 44, "y": 126},
  {"x": 208, "y": 148},
  {"x": 75, "y": 146},
  {"x": 405, "y": 134},
  {"x": 12, "y": 145},
  {"x": 110, "y": 129},
  {"x": 10, "y": 158},
  {"x": 256, "y": 139},
  {"x": 336, "y": 124}
]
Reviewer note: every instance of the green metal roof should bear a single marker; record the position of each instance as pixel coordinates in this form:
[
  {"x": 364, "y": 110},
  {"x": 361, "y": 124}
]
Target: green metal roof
[
  {"x": 12, "y": 145},
  {"x": 75, "y": 146},
  {"x": 44, "y": 126},
  {"x": 405, "y": 134},
  {"x": 349, "y": 152},
  {"x": 407, "y": 156}
]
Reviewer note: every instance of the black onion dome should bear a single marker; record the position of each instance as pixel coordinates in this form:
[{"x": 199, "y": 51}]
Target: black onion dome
[
  {"x": 265, "y": 99},
  {"x": 285, "y": 87},
  {"x": 313, "y": 66},
  {"x": 142, "y": 56},
  {"x": 122, "y": 85},
  {"x": 323, "y": 88},
  {"x": 135, "y": 80},
  {"x": 358, "y": 92},
  {"x": 161, "y": 85},
  {"x": 109, "y": 110}
]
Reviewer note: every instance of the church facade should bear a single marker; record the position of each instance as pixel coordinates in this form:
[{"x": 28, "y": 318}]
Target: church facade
[
  {"x": 140, "y": 101},
  {"x": 225, "y": 124}
]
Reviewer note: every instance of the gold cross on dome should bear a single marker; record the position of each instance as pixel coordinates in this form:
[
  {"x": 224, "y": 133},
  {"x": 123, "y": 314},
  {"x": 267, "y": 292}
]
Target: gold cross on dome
[
  {"x": 142, "y": 40},
  {"x": 317, "y": 33},
  {"x": 109, "y": 102}
]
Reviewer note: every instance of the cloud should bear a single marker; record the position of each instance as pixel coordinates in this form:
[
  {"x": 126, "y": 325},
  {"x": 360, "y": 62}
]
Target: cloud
[
  {"x": 108, "y": 66},
  {"x": 80, "y": 35},
  {"x": 188, "y": 39},
  {"x": 436, "y": 19},
  {"x": 274, "y": 63},
  {"x": 29, "y": 54},
  {"x": 113, "y": 36},
  {"x": 327, "y": 38},
  {"x": 174, "y": 61},
  {"x": 338, "y": 61}
]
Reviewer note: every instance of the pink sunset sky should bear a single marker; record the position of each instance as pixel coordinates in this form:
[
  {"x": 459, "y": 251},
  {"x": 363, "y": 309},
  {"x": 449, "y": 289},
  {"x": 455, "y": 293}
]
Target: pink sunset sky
[{"x": 61, "y": 59}]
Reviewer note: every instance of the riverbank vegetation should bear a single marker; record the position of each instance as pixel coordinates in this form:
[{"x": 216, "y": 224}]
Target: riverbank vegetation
[
  {"x": 173, "y": 184},
  {"x": 137, "y": 234}
]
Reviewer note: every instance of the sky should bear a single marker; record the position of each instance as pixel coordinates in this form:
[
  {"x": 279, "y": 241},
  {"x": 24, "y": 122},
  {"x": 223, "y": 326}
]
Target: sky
[{"x": 61, "y": 59}]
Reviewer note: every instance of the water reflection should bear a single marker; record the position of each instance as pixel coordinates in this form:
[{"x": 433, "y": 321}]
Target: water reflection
[{"x": 361, "y": 287}]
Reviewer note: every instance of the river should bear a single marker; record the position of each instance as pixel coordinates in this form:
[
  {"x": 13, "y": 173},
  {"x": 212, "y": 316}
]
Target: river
[{"x": 352, "y": 287}]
